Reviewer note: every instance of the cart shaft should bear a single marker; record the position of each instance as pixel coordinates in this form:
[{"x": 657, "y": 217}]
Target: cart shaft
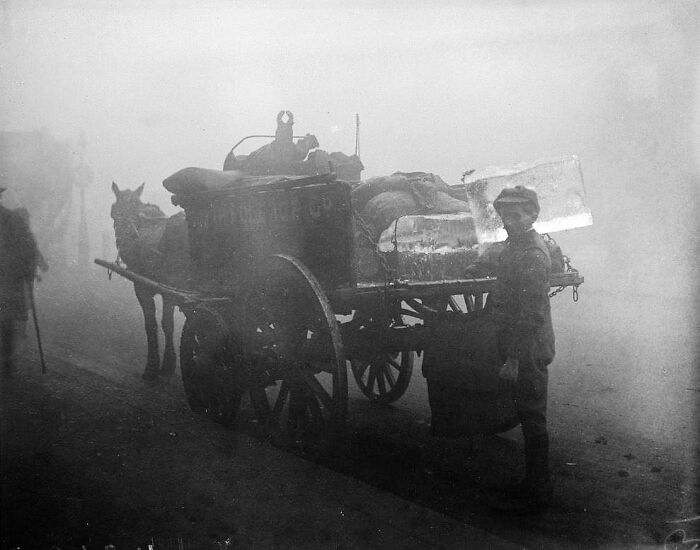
[{"x": 180, "y": 296}]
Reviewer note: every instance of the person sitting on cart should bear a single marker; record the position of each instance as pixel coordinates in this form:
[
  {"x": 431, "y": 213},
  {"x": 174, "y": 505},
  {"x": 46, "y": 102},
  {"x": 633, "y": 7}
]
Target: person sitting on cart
[{"x": 521, "y": 313}]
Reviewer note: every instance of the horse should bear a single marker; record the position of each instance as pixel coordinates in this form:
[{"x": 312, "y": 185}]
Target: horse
[{"x": 156, "y": 246}]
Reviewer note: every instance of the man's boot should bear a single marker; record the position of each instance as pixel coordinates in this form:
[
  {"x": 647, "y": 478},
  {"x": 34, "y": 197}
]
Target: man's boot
[
  {"x": 537, "y": 483},
  {"x": 534, "y": 493},
  {"x": 7, "y": 365},
  {"x": 6, "y": 351}
]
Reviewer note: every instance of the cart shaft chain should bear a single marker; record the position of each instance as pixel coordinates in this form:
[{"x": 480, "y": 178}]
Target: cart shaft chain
[
  {"x": 569, "y": 269},
  {"x": 369, "y": 235}
]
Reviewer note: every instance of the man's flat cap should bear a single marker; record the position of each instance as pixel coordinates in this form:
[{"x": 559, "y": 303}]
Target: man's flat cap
[{"x": 517, "y": 195}]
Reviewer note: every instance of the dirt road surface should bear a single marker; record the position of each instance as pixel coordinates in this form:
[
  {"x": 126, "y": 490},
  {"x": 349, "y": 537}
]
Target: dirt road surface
[{"x": 92, "y": 456}]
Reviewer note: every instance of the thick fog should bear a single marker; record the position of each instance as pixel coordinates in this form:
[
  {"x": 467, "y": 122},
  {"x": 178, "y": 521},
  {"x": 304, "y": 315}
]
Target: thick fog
[
  {"x": 156, "y": 89},
  {"x": 437, "y": 89}
]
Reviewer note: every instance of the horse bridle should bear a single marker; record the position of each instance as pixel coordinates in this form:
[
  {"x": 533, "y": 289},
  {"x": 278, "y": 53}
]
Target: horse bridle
[{"x": 134, "y": 231}]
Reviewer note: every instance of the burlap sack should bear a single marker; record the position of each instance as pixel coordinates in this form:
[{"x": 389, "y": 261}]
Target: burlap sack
[
  {"x": 445, "y": 204},
  {"x": 384, "y": 208},
  {"x": 366, "y": 191},
  {"x": 194, "y": 180}
]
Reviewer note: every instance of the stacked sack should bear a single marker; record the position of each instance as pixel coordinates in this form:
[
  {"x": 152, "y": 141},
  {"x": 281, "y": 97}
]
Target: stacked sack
[{"x": 381, "y": 200}]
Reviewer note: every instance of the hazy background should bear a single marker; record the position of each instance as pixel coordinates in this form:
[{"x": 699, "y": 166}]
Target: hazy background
[
  {"x": 439, "y": 89},
  {"x": 175, "y": 84}
]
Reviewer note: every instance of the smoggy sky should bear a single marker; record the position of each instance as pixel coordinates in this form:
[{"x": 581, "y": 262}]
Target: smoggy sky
[
  {"x": 155, "y": 89},
  {"x": 439, "y": 89}
]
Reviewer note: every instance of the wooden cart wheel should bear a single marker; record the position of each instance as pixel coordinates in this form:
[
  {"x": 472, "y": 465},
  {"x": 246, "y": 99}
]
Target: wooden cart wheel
[
  {"x": 385, "y": 377},
  {"x": 382, "y": 376},
  {"x": 298, "y": 371},
  {"x": 210, "y": 365},
  {"x": 475, "y": 302}
]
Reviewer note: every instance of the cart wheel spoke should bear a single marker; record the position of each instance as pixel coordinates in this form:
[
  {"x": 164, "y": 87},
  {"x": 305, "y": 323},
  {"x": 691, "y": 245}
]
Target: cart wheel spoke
[
  {"x": 391, "y": 361},
  {"x": 381, "y": 384},
  {"x": 296, "y": 412},
  {"x": 411, "y": 313},
  {"x": 280, "y": 401},
  {"x": 383, "y": 376},
  {"x": 372, "y": 378},
  {"x": 316, "y": 387},
  {"x": 315, "y": 411},
  {"x": 360, "y": 368},
  {"x": 260, "y": 403},
  {"x": 390, "y": 375},
  {"x": 454, "y": 305},
  {"x": 210, "y": 364},
  {"x": 302, "y": 351}
]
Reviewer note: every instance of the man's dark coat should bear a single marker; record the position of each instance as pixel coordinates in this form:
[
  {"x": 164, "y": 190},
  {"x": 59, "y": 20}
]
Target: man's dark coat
[
  {"x": 521, "y": 299},
  {"x": 18, "y": 257}
]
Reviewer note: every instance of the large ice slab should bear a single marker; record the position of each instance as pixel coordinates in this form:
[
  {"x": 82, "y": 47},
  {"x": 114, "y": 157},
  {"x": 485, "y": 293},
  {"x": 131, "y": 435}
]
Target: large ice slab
[
  {"x": 429, "y": 233},
  {"x": 559, "y": 187},
  {"x": 430, "y": 247}
]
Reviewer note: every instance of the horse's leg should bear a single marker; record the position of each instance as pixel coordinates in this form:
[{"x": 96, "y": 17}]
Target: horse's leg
[
  {"x": 167, "y": 323},
  {"x": 148, "y": 306}
]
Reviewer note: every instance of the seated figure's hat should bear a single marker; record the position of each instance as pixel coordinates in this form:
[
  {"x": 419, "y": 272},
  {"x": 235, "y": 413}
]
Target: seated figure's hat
[{"x": 517, "y": 195}]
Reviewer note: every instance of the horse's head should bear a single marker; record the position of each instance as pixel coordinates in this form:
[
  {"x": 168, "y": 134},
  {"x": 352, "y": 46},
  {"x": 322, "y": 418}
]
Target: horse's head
[
  {"x": 132, "y": 218},
  {"x": 128, "y": 205},
  {"x": 129, "y": 213}
]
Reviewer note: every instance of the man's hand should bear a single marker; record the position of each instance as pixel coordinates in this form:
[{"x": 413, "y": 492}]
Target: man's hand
[{"x": 509, "y": 370}]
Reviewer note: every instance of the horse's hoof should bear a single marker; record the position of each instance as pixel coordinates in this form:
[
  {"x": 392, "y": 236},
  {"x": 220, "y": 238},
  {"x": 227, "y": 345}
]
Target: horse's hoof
[
  {"x": 167, "y": 369},
  {"x": 167, "y": 373},
  {"x": 149, "y": 376}
]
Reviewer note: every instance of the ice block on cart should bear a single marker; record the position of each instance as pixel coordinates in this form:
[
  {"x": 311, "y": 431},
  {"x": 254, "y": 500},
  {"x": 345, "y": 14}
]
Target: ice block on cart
[{"x": 559, "y": 187}]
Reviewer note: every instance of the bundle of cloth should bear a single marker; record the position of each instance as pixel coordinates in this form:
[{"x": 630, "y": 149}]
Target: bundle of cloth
[
  {"x": 195, "y": 180},
  {"x": 381, "y": 200},
  {"x": 347, "y": 167}
]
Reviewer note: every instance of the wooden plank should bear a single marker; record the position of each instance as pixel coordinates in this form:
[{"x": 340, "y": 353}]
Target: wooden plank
[
  {"x": 426, "y": 289},
  {"x": 180, "y": 295}
]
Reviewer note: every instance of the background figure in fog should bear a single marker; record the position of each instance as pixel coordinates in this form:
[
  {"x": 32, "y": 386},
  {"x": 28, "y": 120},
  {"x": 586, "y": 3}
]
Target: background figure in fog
[
  {"x": 155, "y": 246},
  {"x": 19, "y": 257},
  {"x": 40, "y": 260},
  {"x": 525, "y": 337}
]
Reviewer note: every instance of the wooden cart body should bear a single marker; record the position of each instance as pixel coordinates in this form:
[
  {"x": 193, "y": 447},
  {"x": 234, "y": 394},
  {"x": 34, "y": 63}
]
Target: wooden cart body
[
  {"x": 308, "y": 218},
  {"x": 278, "y": 312}
]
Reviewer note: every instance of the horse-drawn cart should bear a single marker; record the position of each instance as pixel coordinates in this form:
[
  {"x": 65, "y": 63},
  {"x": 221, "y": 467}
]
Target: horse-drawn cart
[{"x": 278, "y": 311}]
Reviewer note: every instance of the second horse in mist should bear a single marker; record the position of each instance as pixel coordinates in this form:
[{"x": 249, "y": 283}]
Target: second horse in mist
[{"x": 156, "y": 246}]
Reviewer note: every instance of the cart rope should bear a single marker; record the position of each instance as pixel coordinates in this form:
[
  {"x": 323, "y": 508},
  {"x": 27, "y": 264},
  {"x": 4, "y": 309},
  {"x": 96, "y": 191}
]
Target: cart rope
[
  {"x": 117, "y": 261},
  {"x": 568, "y": 269},
  {"x": 368, "y": 234}
]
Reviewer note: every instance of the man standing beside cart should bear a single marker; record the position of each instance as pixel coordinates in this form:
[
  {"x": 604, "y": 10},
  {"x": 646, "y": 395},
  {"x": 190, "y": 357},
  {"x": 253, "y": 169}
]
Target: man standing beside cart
[{"x": 521, "y": 313}]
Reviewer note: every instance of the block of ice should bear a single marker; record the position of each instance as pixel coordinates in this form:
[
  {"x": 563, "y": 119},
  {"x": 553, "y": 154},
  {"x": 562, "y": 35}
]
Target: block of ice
[
  {"x": 559, "y": 187},
  {"x": 434, "y": 233}
]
